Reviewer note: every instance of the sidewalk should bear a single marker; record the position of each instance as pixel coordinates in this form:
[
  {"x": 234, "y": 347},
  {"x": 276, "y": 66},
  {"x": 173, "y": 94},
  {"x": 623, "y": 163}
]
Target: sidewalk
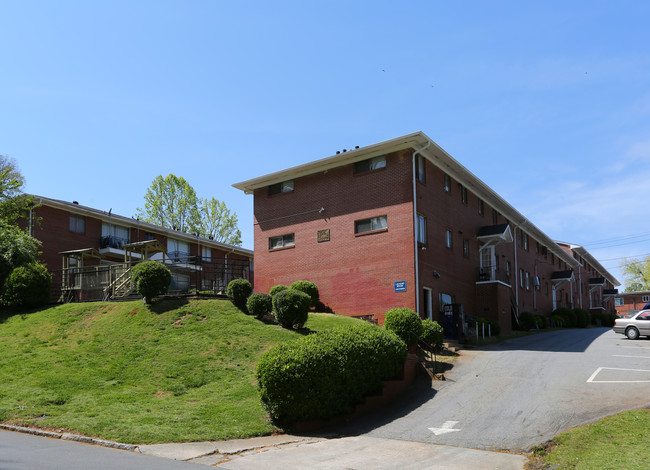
[{"x": 315, "y": 453}]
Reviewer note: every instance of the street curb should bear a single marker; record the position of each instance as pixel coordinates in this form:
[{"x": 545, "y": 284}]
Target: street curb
[{"x": 68, "y": 437}]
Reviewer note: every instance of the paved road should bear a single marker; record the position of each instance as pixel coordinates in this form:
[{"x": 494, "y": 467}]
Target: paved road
[
  {"x": 523, "y": 392},
  {"x": 26, "y": 452}
]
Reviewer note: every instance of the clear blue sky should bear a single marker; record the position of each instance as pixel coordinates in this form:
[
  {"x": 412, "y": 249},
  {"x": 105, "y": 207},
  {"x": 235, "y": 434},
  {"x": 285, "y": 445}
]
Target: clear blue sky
[{"x": 549, "y": 104}]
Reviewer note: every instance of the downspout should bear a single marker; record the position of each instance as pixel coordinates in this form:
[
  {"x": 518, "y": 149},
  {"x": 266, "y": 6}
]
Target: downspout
[{"x": 415, "y": 227}]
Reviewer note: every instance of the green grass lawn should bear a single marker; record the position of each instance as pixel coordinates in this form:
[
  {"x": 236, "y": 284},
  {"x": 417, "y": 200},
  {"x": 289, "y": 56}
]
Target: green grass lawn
[
  {"x": 176, "y": 371},
  {"x": 616, "y": 442}
]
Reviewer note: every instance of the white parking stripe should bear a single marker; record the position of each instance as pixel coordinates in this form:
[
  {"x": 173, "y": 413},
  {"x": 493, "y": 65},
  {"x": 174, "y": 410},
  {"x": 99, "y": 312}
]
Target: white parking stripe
[
  {"x": 593, "y": 376},
  {"x": 637, "y": 357}
]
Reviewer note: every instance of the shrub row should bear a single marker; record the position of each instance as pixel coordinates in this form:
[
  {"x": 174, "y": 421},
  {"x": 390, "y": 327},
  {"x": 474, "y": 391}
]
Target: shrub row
[
  {"x": 407, "y": 324},
  {"x": 289, "y": 304},
  {"x": 325, "y": 374}
]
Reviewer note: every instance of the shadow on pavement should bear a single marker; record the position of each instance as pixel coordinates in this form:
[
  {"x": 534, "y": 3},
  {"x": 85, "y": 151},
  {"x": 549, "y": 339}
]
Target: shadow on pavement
[{"x": 569, "y": 340}]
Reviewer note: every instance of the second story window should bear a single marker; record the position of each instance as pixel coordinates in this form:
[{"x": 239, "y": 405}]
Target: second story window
[
  {"x": 481, "y": 208},
  {"x": 283, "y": 187},
  {"x": 178, "y": 250},
  {"x": 422, "y": 229},
  {"x": 449, "y": 240},
  {"x": 463, "y": 194},
  {"x": 114, "y": 236},
  {"x": 77, "y": 223},
  {"x": 420, "y": 169},
  {"x": 447, "y": 183},
  {"x": 370, "y": 164}
]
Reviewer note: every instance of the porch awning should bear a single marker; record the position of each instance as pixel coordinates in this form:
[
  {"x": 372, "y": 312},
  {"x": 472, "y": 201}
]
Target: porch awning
[
  {"x": 144, "y": 249},
  {"x": 492, "y": 235},
  {"x": 561, "y": 276},
  {"x": 596, "y": 281},
  {"x": 83, "y": 253}
]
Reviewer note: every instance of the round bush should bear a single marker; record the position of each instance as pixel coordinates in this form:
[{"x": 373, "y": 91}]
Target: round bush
[
  {"x": 259, "y": 304},
  {"x": 432, "y": 332},
  {"x": 308, "y": 288},
  {"x": 527, "y": 320},
  {"x": 151, "y": 278},
  {"x": 404, "y": 321},
  {"x": 238, "y": 291},
  {"x": 325, "y": 374},
  {"x": 291, "y": 308},
  {"x": 277, "y": 289},
  {"x": 27, "y": 286},
  {"x": 542, "y": 321},
  {"x": 582, "y": 317}
]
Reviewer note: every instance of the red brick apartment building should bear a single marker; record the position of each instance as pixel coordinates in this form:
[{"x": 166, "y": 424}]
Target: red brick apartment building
[
  {"x": 631, "y": 301},
  {"x": 401, "y": 223},
  {"x": 87, "y": 250}
]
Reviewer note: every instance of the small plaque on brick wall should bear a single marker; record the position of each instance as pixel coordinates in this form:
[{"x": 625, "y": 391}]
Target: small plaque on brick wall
[{"x": 324, "y": 235}]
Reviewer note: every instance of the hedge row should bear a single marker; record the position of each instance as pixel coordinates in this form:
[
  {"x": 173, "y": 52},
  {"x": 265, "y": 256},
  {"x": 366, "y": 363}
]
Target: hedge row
[{"x": 325, "y": 374}]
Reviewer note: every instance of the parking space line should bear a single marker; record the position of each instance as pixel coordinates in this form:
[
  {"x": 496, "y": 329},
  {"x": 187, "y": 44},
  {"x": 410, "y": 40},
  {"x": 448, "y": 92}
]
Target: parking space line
[{"x": 593, "y": 376}]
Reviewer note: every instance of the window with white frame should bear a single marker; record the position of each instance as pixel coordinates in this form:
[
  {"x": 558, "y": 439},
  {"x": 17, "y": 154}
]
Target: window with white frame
[
  {"x": 463, "y": 194},
  {"x": 77, "y": 223},
  {"x": 619, "y": 301},
  {"x": 521, "y": 278},
  {"x": 178, "y": 250},
  {"x": 282, "y": 187},
  {"x": 206, "y": 253},
  {"x": 422, "y": 229},
  {"x": 527, "y": 276},
  {"x": 114, "y": 236},
  {"x": 370, "y": 225},
  {"x": 645, "y": 298},
  {"x": 370, "y": 164},
  {"x": 282, "y": 241}
]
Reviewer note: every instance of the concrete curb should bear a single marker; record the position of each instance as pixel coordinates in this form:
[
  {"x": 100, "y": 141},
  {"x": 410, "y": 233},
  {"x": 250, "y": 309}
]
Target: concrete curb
[{"x": 68, "y": 437}]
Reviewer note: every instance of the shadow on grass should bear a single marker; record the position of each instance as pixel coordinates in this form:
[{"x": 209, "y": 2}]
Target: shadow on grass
[{"x": 164, "y": 305}]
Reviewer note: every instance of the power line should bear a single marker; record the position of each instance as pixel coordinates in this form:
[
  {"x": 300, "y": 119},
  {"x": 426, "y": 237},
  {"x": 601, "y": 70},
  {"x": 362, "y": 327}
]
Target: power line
[{"x": 616, "y": 239}]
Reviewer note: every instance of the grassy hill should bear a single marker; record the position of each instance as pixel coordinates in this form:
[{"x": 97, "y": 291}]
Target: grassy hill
[{"x": 176, "y": 371}]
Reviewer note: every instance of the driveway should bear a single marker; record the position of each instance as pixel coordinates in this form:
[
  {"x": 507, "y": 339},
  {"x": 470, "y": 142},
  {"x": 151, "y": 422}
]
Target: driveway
[{"x": 522, "y": 392}]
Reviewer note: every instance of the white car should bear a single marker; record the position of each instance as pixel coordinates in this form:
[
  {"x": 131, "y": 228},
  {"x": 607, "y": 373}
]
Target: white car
[{"x": 635, "y": 325}]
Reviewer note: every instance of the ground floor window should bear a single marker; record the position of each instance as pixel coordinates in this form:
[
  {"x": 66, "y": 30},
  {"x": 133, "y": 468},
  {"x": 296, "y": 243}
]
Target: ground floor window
[
  {"x": 445, "y": 299},
  {"x": 282, "y": 241},
  {"x": 370, "y": 225}
]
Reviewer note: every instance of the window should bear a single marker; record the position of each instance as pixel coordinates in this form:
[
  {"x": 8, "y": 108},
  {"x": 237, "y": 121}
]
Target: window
[
  {"x": 463, "y": 194},
  {"x": 508, "y": 270},
  {"x": 282, "y": 241},
  {"x": 521, "y": 278},
  {"x": 481, "y": 209},
  {"x": 645, "y": 298},
  {"x": 114, "y": 236},
  {"x": 206, "y": 253},
  {"x": 495, "y": 217},
  {"x": 527, "y": 276},
  {"x": 422, "y": 229},
  {"x": 420, "y": 169},
  {"x": 371, "y": 225},
  {"x": 178, "y": 250},
  {"x": 149, "y": 236},
  {"x": 370, "y": 165},
  {"x": 447, "y": 183},
  {"x": 466, "y": 248},
  {"x": 77, "y": 223},
  {"x": 445, "y": 299},
  {"x": 283, "y": 187},
  {"x": 449, "y": 242},
  {"x": 526, "y": 241},
  {"x": 619, "y": 301}
]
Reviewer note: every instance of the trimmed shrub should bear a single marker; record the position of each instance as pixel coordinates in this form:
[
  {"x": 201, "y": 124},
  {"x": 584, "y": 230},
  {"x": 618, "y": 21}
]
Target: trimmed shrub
[
  {"x": 151, "y": 279},
  {"x": 604, "y": 319},
  {"x": 432, "y": 332},
  {"x": 542, "y": 321},
  {"x": 291, "y": 308},
  {"x": 404, "y": 321},
  {"x": 582, "y": 317},
  {"x": 527, "y": 320},
  {"x": 27, "y": 286},
  {"x": 492, "y": 326},
  {"x": 569, "y": 316},
  {"x": 238, "y": 291},
  {"x": 277, "y": 289},
  {"x": 557, "y": 321},
  {"x": 308, "y": 288},
  {"x": 259, "y": 304},
  {"x": 325, "y": 374}
]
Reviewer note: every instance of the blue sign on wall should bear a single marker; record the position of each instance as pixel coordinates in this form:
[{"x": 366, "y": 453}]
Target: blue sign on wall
[{"x": 400, "y": 286}]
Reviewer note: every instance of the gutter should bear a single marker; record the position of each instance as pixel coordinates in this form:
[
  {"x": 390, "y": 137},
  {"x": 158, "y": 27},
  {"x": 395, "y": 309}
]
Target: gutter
[{"x": 415, "y": 227}]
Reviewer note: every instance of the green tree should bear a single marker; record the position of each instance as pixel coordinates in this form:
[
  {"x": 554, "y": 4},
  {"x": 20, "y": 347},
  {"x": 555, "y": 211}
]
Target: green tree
[
  {"x": 13, "y": 203},
  {"x": 218, "y": 222},
  {"x": 637, "y": 274},
  {"x": 171, "y": 202},
  {"x": 16, "y": 249}
]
